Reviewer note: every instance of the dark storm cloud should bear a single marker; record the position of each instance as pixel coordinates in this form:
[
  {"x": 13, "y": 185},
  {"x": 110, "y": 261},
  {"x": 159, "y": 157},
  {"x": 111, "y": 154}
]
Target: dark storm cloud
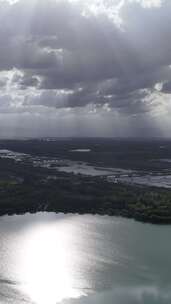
[
  {"x": 2, "y": 83},
  {"x": 25, "y": 80},
  {"x": 73, "y": 59},
  {"x": 167, "y": 87}
]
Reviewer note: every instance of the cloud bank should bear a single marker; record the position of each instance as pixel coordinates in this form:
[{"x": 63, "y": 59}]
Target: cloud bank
[{"x": 75, "y": 67}]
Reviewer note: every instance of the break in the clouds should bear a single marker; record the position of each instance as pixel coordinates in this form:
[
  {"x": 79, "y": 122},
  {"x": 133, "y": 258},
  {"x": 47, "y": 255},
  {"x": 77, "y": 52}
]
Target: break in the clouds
[{"x": 72, "y": 67}]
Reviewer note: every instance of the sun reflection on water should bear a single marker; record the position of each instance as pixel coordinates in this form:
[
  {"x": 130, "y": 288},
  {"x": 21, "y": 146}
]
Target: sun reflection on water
[{"x": 47, "y": 264}]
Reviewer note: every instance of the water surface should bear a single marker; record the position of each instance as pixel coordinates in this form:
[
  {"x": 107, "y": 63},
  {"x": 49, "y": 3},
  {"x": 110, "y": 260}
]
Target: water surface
[{"x": 82, "y": 259}]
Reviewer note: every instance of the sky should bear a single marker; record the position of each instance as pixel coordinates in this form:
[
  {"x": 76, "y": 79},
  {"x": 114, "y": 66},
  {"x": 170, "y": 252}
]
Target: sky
[{"x": 85, "y": 68}]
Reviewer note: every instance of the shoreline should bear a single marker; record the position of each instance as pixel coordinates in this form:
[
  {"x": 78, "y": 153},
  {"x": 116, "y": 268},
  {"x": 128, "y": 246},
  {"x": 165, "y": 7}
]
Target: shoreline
[{"x": 141, "y": 219}]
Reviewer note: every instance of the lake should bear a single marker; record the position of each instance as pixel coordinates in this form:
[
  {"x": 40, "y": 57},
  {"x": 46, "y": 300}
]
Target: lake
[{"x": 81, "y": 259}]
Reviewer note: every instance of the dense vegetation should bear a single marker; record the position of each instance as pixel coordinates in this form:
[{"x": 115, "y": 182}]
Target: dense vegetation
[{"x": 24, "y": 188}]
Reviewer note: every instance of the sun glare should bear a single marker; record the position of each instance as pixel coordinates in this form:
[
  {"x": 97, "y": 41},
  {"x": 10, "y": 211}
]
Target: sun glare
[{"x": 46, "y": 266}]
